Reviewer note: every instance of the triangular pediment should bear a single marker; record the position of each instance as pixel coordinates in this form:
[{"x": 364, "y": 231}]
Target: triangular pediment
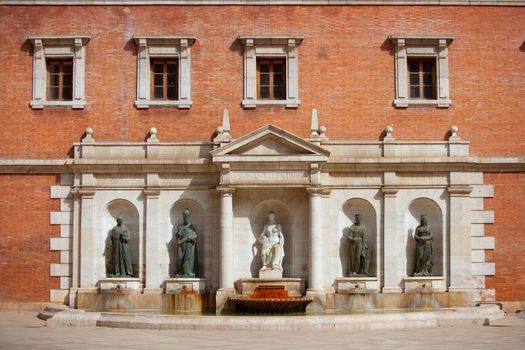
[{"x": 270, "y": 141}]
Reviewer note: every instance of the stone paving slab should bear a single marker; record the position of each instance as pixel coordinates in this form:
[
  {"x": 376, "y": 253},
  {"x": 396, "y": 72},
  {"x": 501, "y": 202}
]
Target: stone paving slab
[{"x": 22, "y": 330}]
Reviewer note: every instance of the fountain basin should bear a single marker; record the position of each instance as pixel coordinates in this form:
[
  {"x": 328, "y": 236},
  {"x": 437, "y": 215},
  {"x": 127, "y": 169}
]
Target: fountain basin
[{"x": 270, "y": 299}]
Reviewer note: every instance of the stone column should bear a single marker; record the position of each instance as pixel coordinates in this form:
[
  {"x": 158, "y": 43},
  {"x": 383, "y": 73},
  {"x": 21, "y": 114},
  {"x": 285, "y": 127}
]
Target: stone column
[
  {"x": 226, "y": 286},
  {"x": 153, "y": 280},
  {"x": 315, "y": 251},
  {"x": 460, "y": 247},
  {"x": 390, "y": 241}
]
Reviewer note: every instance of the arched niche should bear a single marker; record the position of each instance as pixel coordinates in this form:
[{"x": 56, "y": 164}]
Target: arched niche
[
  {"x": 428, "y": 207},
  {"x": 169, "y": 259},
  {"x": 258, "y": 218},
  {"x": 346, "y": 219},
  {"x": 130, "y": 214}
]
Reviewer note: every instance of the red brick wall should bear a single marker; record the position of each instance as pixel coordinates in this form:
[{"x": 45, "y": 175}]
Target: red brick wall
[
  {"x": 508, "y": 229},
  {"x": 346, "y": 72},
  {"x": 24, "y": 238}
]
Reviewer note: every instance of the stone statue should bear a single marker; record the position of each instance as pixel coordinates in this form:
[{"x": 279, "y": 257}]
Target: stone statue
[
  {"x": 424, "y": 249},
  {"x": 118, "y": 246},
  {"x": 272, "y": 252},
  {"x": 187, "y": 240},
  {"x": 359, "y": 252}
]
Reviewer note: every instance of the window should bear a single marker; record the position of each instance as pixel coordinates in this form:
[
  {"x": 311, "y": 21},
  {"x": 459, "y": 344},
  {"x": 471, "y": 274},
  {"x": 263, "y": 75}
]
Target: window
[
  {"x": 58, "y": 71},
  {"x": 59, "y": 80},
  {"x": 421, "y": 78},
  {"x": 271, "y": 71},
  {"x": 421, "y": 71},
  {"x": 164, "y": 71},
  {"x": 164, "y": 81},
  {"x": 271, "y": 78}
]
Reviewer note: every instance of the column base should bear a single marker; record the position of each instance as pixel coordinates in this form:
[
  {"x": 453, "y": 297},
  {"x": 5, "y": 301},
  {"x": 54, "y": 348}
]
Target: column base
[
  {"x": 319, "y": 302},
  {"x": 222, "y": 305}
]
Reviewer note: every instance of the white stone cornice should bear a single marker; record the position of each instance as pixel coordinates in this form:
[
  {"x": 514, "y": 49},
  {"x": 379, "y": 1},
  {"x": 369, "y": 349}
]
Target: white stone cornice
[
  {"x": 55, "y": 166},
  {"x": 266, "y": 2}
]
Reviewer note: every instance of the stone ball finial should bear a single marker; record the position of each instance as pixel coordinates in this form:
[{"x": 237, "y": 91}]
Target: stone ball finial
[
  {"x": 153, "y": 131},
  {"x": 89, "y": 131},
  {"x": 322, "y": 132},
  {"x": 89, "y": 135},
  {"x": 389, "y": 130},
  {"x": 454, "y": 130}
]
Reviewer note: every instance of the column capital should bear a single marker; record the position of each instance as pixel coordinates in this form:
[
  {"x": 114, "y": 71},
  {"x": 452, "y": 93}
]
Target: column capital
[
  {"x": 459, "y": 190},
  {"x": 389, "y": 191},
  {"x": 225, "y": 190},
  {"x": 317, "y": 191}
]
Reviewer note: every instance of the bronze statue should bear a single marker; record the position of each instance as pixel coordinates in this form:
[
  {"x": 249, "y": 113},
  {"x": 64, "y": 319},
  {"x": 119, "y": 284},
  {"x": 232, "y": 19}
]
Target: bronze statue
[
  {"x": 118, "y": 245},
  {"x": 359, "y": 252},
  {"x": 187, "y": 240},
  {"x": 424, "y": 249}
]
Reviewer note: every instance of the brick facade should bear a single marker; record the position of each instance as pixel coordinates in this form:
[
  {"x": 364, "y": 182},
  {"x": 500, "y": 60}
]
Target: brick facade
[
  {"x": 346, "y": 72},
  {"x": 25, "y": 231},
  {"x": 508, "y": 204}
]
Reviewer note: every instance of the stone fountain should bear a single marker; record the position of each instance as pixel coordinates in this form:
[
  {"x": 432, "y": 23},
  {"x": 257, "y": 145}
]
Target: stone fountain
[{"x": 270, "y": 299}]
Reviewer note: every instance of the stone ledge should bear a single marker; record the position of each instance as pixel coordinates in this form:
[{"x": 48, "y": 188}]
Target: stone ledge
[{"x": 469, "y": 316}]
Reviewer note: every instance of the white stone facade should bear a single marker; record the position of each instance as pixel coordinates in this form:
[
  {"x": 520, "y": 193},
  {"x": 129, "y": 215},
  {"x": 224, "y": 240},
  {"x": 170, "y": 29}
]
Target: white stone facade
[{"x": 315, "y": 190}]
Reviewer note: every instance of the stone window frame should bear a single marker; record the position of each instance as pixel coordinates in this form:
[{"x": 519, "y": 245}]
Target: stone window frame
[
  {"x": 163, "y": 46},
  {"x": 256, "y": 46},
  {"x": 436, "y": 47},
  {"x": 54, "y": 47}
]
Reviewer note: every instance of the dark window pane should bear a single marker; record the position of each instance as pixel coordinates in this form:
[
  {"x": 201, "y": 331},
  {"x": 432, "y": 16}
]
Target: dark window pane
[
  {"x": 278, "y": 79},
  {"x": 54, "y": 67},
  {"x": 278, "y": 92},
  {"x": 172, "y": 93},
  {"x": 53, "y": 93},
  {"x": 428, "y": 92},
  {"x": 427, "y": 67},
  {"x": 414, "y": 79},
  {"x": 67, "y": 93},
  {"x": 67, "y": 67},
  {"x": 427, "y": 79},
  {"x": 157, "y": 92},
  {"x": 413, "y": 66},
  {"x": 172, "y": 80},
  {"x": 264, "y": 67},
  {"x": 172, "y": 68},
  {"x": 158, "y": 68},
  {"x": 414, "y": 91},
  {"x": 264, "y": 79},
  {"x": 158, "y": 80},
  {"x": 67, "y": 80},
  {"x": 265, "y": 92},
  {"x": 278, "y": 67},
  {"x": 53, "y": 79}
]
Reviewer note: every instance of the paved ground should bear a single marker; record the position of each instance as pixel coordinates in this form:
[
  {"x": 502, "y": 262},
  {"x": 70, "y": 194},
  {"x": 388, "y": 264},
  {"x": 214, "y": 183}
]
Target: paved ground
[{"x": 22, "y": 330}]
